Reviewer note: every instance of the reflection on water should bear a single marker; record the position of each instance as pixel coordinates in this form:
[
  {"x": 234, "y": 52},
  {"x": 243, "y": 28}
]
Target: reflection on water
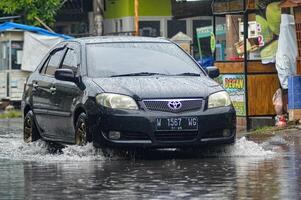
[{"x": 246, "y": 170}]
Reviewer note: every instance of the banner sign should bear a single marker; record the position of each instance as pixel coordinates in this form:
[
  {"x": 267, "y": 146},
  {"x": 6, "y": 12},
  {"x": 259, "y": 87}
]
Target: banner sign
[{"x": 234, "y": 84}]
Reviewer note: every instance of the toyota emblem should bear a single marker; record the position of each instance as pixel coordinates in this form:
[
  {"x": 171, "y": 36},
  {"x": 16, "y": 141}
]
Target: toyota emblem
[{"x": 174, "y": 105}]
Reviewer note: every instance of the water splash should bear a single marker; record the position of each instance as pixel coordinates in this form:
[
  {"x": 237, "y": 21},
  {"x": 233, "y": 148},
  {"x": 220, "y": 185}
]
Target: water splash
[
  {"x": 242, "y": 148},
  {"x": 12, "y": 147},
  {"x": 246, "y": 148},
  {"x": 16, "y": 149}
]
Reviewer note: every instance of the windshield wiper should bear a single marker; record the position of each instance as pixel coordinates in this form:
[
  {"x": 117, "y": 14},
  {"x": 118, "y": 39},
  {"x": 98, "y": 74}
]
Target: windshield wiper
[
  {"x": 138, "y": 74},
  {"x": 188, "y": 74}
]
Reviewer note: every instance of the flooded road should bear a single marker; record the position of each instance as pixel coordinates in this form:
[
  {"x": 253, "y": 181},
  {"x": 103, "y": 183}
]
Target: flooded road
[{"x": 247, "y": 170}]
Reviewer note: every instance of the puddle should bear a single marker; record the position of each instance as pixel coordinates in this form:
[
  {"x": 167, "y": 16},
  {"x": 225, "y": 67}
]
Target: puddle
[{"x": 246, "y": 170}]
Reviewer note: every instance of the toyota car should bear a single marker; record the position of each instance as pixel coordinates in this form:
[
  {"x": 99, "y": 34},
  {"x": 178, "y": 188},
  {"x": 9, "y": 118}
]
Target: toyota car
[{"x": 126, "y": 92}]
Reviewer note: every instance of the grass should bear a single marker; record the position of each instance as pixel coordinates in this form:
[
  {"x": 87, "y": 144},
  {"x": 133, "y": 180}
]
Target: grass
[
  {"x": 11, "y": 114},
  {"x": 266, "y": 132},
  {"x": 263, "y": 132},
  {"x": 265, "y": 129}
]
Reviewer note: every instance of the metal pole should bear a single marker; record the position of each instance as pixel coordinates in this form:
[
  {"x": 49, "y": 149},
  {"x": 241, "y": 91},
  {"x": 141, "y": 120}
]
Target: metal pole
[
  {"x": 9, "y": 65},
  {"x": 246, "y": 68},
  {"x": 214, "y": 32},
  {"x": 199, "y": 47},
  {"x": 137, "y": 17},
  {"x": 98, "y": 9},
  {"x": 44, "y": 24},
  {"x": 10, "y": 53}
]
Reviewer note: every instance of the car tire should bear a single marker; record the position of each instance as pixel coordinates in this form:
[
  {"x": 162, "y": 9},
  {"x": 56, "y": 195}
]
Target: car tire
[
  {"x": 82, "y": 135},
  {"x": 30, "y": 131}
]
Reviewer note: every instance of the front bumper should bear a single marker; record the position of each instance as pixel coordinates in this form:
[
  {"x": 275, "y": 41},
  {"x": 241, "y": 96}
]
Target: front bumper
[{"x": 138, "y": 128}]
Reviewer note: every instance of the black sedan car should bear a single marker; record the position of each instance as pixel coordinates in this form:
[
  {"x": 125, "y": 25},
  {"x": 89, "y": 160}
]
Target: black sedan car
[{"x": 126, "y": 92}]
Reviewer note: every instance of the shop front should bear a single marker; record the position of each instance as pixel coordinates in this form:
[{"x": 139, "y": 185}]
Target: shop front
[{"x": 246, "y": 39}]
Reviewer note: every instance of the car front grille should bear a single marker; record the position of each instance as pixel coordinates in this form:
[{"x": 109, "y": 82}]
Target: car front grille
[
  {"x": 176, "y": 136},
  {"x": 162, "y": 105}
]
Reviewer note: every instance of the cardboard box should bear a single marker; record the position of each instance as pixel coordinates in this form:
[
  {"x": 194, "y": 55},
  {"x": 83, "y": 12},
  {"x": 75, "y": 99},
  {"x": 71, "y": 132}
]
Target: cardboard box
[{"x": 294, "y": 114}]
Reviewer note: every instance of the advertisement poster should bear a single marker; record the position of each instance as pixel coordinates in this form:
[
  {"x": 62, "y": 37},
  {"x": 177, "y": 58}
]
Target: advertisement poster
[
  {"x": 268, "y": 21},
  {"x": 235, "y": 86}
]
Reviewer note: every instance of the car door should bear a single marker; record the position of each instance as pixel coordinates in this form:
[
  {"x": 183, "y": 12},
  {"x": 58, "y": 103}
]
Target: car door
[
  {"x": 43, "y": 92},
  {"x": 66, "y": 95}
]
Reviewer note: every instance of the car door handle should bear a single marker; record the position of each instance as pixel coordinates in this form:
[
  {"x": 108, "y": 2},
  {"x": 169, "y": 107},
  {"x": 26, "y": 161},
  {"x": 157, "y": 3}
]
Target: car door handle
[
  {"x": 35, "y": 85},
  {"x": 52, "y": 90}
]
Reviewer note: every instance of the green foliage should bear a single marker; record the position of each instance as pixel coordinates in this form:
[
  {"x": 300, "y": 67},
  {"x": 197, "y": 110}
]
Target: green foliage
[{"x": 30, "y": 9}]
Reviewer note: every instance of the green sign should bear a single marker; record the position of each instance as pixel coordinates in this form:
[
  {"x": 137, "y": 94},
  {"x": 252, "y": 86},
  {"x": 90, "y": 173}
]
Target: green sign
[
  {"x": 212, "y": 42},
  {"x": 204, "y": 32}
]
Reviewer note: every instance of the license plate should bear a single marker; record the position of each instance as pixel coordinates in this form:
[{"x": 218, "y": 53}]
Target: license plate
[{"x": 177, "y": 124}]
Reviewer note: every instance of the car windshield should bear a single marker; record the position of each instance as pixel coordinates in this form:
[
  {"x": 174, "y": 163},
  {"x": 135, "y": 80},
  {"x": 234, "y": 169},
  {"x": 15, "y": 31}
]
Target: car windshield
[{"x": 139, "y": 59}]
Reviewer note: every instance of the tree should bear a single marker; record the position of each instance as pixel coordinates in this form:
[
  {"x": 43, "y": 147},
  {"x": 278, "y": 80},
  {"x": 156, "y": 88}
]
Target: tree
[{"x": 32, "y": 9}]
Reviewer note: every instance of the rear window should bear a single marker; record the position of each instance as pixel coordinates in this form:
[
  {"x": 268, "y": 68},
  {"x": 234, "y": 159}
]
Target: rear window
[{"x": 111, "y": 59}]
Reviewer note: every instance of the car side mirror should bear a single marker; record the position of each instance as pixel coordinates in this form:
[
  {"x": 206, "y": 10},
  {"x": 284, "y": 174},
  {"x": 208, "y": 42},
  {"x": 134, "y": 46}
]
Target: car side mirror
[
  {"x": 65, "y": 75},
  {"x": 212, "y": 71}
]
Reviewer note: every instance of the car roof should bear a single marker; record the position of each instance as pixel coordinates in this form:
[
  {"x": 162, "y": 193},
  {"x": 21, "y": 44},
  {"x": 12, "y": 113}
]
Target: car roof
[{"x": 110, "y": 39}]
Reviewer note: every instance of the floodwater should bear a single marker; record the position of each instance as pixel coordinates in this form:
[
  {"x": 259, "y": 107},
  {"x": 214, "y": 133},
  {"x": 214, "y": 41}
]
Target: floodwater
[{"x": 247, "y": 170}]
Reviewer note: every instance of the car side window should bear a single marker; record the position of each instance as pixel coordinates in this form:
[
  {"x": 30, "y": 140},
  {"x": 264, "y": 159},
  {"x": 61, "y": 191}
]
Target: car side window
[
  {"x": 70, "y": 60},
  {"x": 43, "y": 68},
  {"x": 54, "y": 62}
]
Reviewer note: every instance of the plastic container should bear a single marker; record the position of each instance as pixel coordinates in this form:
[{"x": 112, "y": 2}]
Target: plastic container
[{"x": 294, "y": 92}]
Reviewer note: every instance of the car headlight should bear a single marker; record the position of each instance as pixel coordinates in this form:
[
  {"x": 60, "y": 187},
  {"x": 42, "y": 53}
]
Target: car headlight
[
  {"x": 116, "y": 101},
  {"x": 219, "y": 99}
]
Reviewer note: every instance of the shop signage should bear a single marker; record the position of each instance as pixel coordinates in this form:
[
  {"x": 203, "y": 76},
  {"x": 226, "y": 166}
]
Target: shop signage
[
  {"x": 206, "y": 31},
  {"x": 234, "y": 84}
]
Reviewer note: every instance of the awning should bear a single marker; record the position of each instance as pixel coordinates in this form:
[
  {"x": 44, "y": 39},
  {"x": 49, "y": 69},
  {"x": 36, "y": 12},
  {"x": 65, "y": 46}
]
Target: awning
[
  {"x": 11, "y": 25},
  {"x": 228, "y": 6},
  {"x": 184, "y": 8}
]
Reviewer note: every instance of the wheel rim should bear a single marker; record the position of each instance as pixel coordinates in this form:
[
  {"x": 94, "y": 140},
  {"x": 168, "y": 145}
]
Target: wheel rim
[
  {"x": 27, "y": 130},
  {"x": 81, "y": 134}
]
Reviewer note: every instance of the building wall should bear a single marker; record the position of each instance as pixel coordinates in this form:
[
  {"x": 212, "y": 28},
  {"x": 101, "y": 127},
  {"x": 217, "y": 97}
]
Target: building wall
[
  {"x": 118, "y": 9},
  {"x": 125, "y": 8},
  {"x": 11, "y": 77},
  {"x": 119, "y": 14},
  {"x": 122, "y": 24},
  {"x": 16, "y": 38},
  {"x": 74, "y": 18},
  {"x": 119, "y": 18}
]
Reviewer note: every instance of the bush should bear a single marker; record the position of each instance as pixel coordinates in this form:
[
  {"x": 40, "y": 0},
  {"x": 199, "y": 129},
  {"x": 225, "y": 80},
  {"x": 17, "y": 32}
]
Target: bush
[{"x": 10, "y": 114}]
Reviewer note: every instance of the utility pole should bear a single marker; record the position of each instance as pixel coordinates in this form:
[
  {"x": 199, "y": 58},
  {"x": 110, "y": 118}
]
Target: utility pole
[
  {"x": 98, "y": 10},
  {"x": 137, "y": 17}
]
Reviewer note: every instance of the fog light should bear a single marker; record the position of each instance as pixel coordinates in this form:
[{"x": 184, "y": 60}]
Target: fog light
[
  {"x": 114, "y": 135},
  {"x": 226, "y": 132}
]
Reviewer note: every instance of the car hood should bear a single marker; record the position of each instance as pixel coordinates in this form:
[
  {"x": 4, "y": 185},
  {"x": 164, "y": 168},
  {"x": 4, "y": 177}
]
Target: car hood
[{"x": 159, "y": 87}]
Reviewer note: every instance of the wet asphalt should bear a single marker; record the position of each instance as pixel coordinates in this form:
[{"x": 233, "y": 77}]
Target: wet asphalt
[{"x": 269, "y": 169}]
